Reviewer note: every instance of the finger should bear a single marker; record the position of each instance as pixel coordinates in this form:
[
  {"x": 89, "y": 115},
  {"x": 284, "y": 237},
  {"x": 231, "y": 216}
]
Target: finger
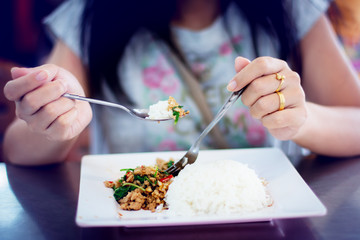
[
  {"x": 271, "y": 103},
  {"x": 257, "y": 68},
  {"x": 65, "y": 126},
  {"x": 261, "y": 87},
  {"x": 47, "y": 93},
  {"x": 240, "y": 63},
  {"x": 42, "y": 119},
  {"x": 17, "y": 88},
  {"x": 17, "y": 72}
]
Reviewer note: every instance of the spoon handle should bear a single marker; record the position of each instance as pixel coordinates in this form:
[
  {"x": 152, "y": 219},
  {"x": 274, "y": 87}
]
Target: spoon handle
[{"x": 95, "y": 101}]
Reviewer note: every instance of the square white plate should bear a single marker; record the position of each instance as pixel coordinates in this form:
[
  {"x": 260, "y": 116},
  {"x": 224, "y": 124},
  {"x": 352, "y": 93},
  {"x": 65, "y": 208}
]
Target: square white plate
[{"x": 96, "y": 206}]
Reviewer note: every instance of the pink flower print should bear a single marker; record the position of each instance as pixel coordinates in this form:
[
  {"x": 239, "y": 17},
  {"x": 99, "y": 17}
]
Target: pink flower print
[
  {"x": 171, "y": 129},
  {"x": 239, "y": 117},
  {"x": 356, "y": 64},
  {"x": 170, "y": 83},
  {"x": 168, "y": 145},
  {"x": 225, "y": 49},
  {"x": 160, "y": 76},
  {"x": 236, "y": 39},
  {"x": 256, "y": 135},
  {"x": 198, "y": 67},
  {"x": 153, "y": 76}
]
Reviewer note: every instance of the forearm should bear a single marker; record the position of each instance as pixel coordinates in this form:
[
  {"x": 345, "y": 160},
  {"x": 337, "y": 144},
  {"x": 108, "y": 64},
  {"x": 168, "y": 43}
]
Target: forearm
[
  {"x": 332, "y": 131},
  {"x": 24, "y": 147}
]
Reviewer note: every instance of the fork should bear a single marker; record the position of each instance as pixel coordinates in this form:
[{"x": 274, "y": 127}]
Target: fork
[{"x": 192, "y": 154}]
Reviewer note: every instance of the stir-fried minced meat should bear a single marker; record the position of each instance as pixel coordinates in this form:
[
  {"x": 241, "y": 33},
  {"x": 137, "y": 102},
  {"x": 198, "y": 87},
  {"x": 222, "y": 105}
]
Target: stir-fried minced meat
[
  {"x": 143, "y": 187},
  {"x": 134, "y": 200},
  {"x": 178, "y": 111}
]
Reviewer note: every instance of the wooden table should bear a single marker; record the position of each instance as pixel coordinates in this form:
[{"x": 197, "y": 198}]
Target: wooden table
[{"x": 40, "y": 203}]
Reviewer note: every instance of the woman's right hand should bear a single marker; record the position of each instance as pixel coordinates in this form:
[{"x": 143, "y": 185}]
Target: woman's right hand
[{"x": 37, "y": 93}]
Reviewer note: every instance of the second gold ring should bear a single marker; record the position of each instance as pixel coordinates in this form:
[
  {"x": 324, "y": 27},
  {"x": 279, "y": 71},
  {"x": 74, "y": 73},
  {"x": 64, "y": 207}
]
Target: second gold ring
[{"x": 282, "y": 100}]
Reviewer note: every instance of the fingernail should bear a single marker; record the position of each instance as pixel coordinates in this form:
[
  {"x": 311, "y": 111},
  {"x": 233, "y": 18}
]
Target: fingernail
[
  {"x": 231, "y": 86},
  {"x": 42, "y": 75},
  {"x": 13, "y": 69}
]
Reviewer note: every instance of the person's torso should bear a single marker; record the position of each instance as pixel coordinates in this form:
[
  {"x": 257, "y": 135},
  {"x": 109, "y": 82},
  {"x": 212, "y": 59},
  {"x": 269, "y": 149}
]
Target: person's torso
[{"x": 148, "y": 75}]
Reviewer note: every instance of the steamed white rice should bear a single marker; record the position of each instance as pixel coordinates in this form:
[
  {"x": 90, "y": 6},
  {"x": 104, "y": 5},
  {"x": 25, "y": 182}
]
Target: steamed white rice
[
  {"x": 216, "y": 187},
  {"x": 160, "y": 110}
]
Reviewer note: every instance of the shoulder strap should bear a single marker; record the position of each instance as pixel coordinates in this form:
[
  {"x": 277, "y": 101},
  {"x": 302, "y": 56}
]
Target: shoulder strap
[{"x": 200, "y": 100}]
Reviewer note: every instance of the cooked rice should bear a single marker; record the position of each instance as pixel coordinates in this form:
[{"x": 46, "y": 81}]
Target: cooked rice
[
  {"x": 167, "y": 109},
  {"x": 160, "y": 110},
  {"x": 216, "y": 187}
]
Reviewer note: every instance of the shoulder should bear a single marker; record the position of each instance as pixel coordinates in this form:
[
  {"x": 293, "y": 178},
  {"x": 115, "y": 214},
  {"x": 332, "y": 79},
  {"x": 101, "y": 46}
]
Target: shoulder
[
  {"x": 64, "y": 23},
  {"x": 305, "y": 13}
]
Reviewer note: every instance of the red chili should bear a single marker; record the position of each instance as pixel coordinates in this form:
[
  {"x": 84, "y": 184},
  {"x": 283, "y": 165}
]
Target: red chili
[
  {"x": 127, "y": 174},
  {"x": 165, "y": 179}
]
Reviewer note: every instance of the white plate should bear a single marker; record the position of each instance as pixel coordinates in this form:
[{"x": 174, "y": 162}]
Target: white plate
[{"x": 97, "y": 207}]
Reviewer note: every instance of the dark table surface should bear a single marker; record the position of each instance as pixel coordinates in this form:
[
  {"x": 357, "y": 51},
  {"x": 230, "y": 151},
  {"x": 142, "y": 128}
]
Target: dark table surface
[{"x": 40, "y": 203}]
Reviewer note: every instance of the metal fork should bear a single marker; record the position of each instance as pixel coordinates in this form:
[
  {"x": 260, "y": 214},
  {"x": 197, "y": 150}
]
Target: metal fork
[{"x": 192, "y": 154}]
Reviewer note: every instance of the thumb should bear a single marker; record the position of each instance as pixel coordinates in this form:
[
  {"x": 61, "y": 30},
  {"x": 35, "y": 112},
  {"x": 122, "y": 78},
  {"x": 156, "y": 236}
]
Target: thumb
[{"x": 240, "y": 63}]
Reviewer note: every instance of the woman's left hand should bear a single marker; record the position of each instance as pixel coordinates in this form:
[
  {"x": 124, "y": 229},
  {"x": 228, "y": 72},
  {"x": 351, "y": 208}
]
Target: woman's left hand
[{"x": 274, "y": 94}]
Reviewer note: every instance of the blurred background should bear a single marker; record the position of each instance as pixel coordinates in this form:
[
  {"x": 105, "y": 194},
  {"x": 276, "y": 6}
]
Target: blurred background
[{"x": 24, "y": 42}]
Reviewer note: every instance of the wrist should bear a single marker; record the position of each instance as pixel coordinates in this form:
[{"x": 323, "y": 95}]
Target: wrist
[{"x": 305, "y": 129}]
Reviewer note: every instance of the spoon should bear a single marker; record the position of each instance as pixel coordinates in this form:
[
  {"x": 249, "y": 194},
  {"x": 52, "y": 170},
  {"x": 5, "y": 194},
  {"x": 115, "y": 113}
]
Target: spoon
[{"x": 139, "y": 113}]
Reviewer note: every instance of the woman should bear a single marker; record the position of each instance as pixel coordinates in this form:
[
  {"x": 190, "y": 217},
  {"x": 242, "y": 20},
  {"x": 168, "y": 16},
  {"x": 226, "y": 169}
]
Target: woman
[{"x": 139, "y": 55}]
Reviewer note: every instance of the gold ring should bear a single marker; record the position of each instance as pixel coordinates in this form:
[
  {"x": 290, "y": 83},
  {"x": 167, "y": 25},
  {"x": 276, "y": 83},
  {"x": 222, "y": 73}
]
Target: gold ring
[
  {"x": 281, "y": 78},
  {"x": 282, "y": 100},
  {"x": 280, "y": 85}
]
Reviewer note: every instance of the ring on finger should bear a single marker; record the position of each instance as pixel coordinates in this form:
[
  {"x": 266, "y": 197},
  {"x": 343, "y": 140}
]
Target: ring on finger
[
  {"x": 282, "y": 100},
  {"x": 281, "y": 78}
]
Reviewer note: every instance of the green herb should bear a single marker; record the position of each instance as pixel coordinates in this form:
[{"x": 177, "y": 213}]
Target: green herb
[
  {"x": 176, "y": 113},
  {"x": 156, "y": 171},
  {"x": 140, "y": 178},
  {"x": 146, "y": 178},
  {"x": 122, "y": 191},
  {"x": 134, "y": 185},
  {"x": 170, "y": 163}
]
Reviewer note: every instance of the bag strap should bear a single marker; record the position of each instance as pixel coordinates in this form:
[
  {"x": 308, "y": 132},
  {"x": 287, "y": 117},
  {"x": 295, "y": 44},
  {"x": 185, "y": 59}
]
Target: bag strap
[{"x": 198, "y": 96}]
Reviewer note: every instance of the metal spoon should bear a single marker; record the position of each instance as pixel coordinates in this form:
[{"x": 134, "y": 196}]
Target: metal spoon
[{"x": 139, "y": 113}]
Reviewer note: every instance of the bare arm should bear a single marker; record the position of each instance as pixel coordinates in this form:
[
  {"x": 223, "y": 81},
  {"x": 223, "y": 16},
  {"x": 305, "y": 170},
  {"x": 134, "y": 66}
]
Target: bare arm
[
  {"x": 321, "y": 110},
  {"x": 33, "y": 142},
  {"x": 62, "y": 56},
  {"x": 333, "y": 88}
]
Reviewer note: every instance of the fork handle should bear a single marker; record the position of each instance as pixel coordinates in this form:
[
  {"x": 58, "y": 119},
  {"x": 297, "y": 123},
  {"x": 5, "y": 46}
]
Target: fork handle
[{"x": 231, "y": 100}]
